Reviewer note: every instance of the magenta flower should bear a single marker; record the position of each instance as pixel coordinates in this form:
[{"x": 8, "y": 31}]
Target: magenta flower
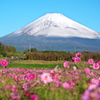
[
  {"x": 4, "y": 63},
  {"x": 76, "y": 59},
  {"x": 26, "y": 86},
  {"x": 27, "y": 93},
  {"x": 90, "y": 61},
  {"x": 34, "y": 97},
  {"x": 7, "y": 87},
  {"x": 16, "y": 78},
  {"x": 14, "y": 88},
  {"x": 46, "y": 78},
  {"x": 87, "y": 70},
  {"x": 31, "y": 76},
  {"x": 92, "y": 93},
  {"x": 95, "y": 81},
  {"x": 92, "y": 86},
  {"x": 15, "y": 96},
  {"x": 78, "y": 54},
  {"x": 57, "y": 83},
  {"x": 74, "y": 68},
  {"x": 66, "y": 64},
  {"x": 95, "y": 66},
  {"x": 52, "y": 74},
  {"x": 86, "y": 95},
  {"x": 98, "y": 62},
  {"x": 66, "y": 85}
]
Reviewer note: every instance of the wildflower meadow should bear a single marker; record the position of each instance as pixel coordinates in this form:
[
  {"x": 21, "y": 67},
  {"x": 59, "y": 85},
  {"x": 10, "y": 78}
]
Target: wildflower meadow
[{"x": 68, "y": 83}]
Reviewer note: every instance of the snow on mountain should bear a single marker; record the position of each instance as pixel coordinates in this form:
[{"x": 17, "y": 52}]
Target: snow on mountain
[{"x": 56, "y": 25}]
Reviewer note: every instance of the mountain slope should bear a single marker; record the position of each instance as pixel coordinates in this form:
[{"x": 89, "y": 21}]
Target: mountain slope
[
  {"x": 54, "y": 32},
  {"x": 24, "y": 42},
  {"x": 56, "y": 25}
]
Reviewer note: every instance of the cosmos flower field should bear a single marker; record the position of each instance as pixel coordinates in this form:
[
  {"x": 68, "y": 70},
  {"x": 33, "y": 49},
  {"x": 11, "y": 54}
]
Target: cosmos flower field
[{"x": 68, "y": 83}]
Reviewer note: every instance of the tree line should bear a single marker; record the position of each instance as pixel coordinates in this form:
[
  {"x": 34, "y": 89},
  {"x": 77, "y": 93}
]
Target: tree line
[
  {"x": 5, "y": 50},
  {"x": 34, "y": 54},
  {"x": 51, "y": 55}
]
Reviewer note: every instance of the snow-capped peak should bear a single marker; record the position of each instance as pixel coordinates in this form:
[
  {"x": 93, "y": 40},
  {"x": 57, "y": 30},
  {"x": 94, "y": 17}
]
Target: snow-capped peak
[{"x": 57, "y": 25}]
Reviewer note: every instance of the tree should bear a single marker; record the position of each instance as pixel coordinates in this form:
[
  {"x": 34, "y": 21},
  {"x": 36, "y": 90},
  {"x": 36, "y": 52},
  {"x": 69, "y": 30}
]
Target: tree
[
  {"x": 2, "y": 51},
  {"x": 10, "y": 49},
  {"x": 33, "y": 50}
]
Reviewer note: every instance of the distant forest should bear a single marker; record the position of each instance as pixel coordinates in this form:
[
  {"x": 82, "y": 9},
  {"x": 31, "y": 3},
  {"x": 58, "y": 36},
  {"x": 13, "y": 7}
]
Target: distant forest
[
  {"x": 34, "y": 54},
  {"x": 55, "y": 55}
]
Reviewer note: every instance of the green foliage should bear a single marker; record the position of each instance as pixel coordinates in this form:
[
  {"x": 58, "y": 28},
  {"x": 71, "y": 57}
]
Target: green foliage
[
  {"x": 37, "y": 66},
  {"x": 88, "y": 55},
  {"x": 46, "y": 66},
  {"x": 9, "y": 49},
  {"x": 49, "y": 56},
  {"x": 2, "y": 52},
  {"x": 59, "y": 55},
  {"x": 33, "y": 50},
  {"x": 47, "y": 51}
]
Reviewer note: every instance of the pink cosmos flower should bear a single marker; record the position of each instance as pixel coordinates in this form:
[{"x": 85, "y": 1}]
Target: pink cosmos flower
[
  {"x": 4, "y": 63},
  {"x": 92, "y": 93},
  {"x": 15, "y": 96},
  {"x": 52, "y": 74},
  {"x": 26, "y": 86},
  {"x": 16, "y": 78},
  {"x": 7, "y": 87},
  {"x": 95, "y": 66},
  {"x": 74, "y": 68},
  {"x": 78, "y": 54},
  {"x": 76, "y": 59},
  {"x": 71, "y": 82},
  {"x": 27, "y": 93},
  {"x": 66, "y": 64},
  {"x": 85, "y": 95},
  {"x": 46, "y": 78},
  {"x": 57, "y": 83},
  {"x": 90, "y": 61},
  {"x": 92, "y": 86},
  {"x": 52, "y": 88},
  {"x": 98, "y": 62},
  {"x": 14, "y": 88},
  {"x": 95, "y": 81},
  {"x": 66, "y": 85},
  {"x": 34, "y": 97},
  {"x": 87, "y": 70},
  {"x": 31, "y": 76}
]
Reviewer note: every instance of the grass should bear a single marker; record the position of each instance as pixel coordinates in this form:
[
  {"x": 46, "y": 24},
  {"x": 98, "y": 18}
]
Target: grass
[
  {"x": 36, "y": 66},
  {"x": 39, "y": 64}
]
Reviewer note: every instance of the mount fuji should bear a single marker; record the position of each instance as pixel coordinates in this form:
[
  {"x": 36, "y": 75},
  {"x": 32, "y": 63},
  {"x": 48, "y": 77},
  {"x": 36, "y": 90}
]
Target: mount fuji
[{"x": 54, "y": 31}]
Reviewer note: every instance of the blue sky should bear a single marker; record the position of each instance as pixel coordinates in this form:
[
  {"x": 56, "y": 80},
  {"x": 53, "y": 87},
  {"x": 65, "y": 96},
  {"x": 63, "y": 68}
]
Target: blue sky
[{"x": 15, "y": 14}]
